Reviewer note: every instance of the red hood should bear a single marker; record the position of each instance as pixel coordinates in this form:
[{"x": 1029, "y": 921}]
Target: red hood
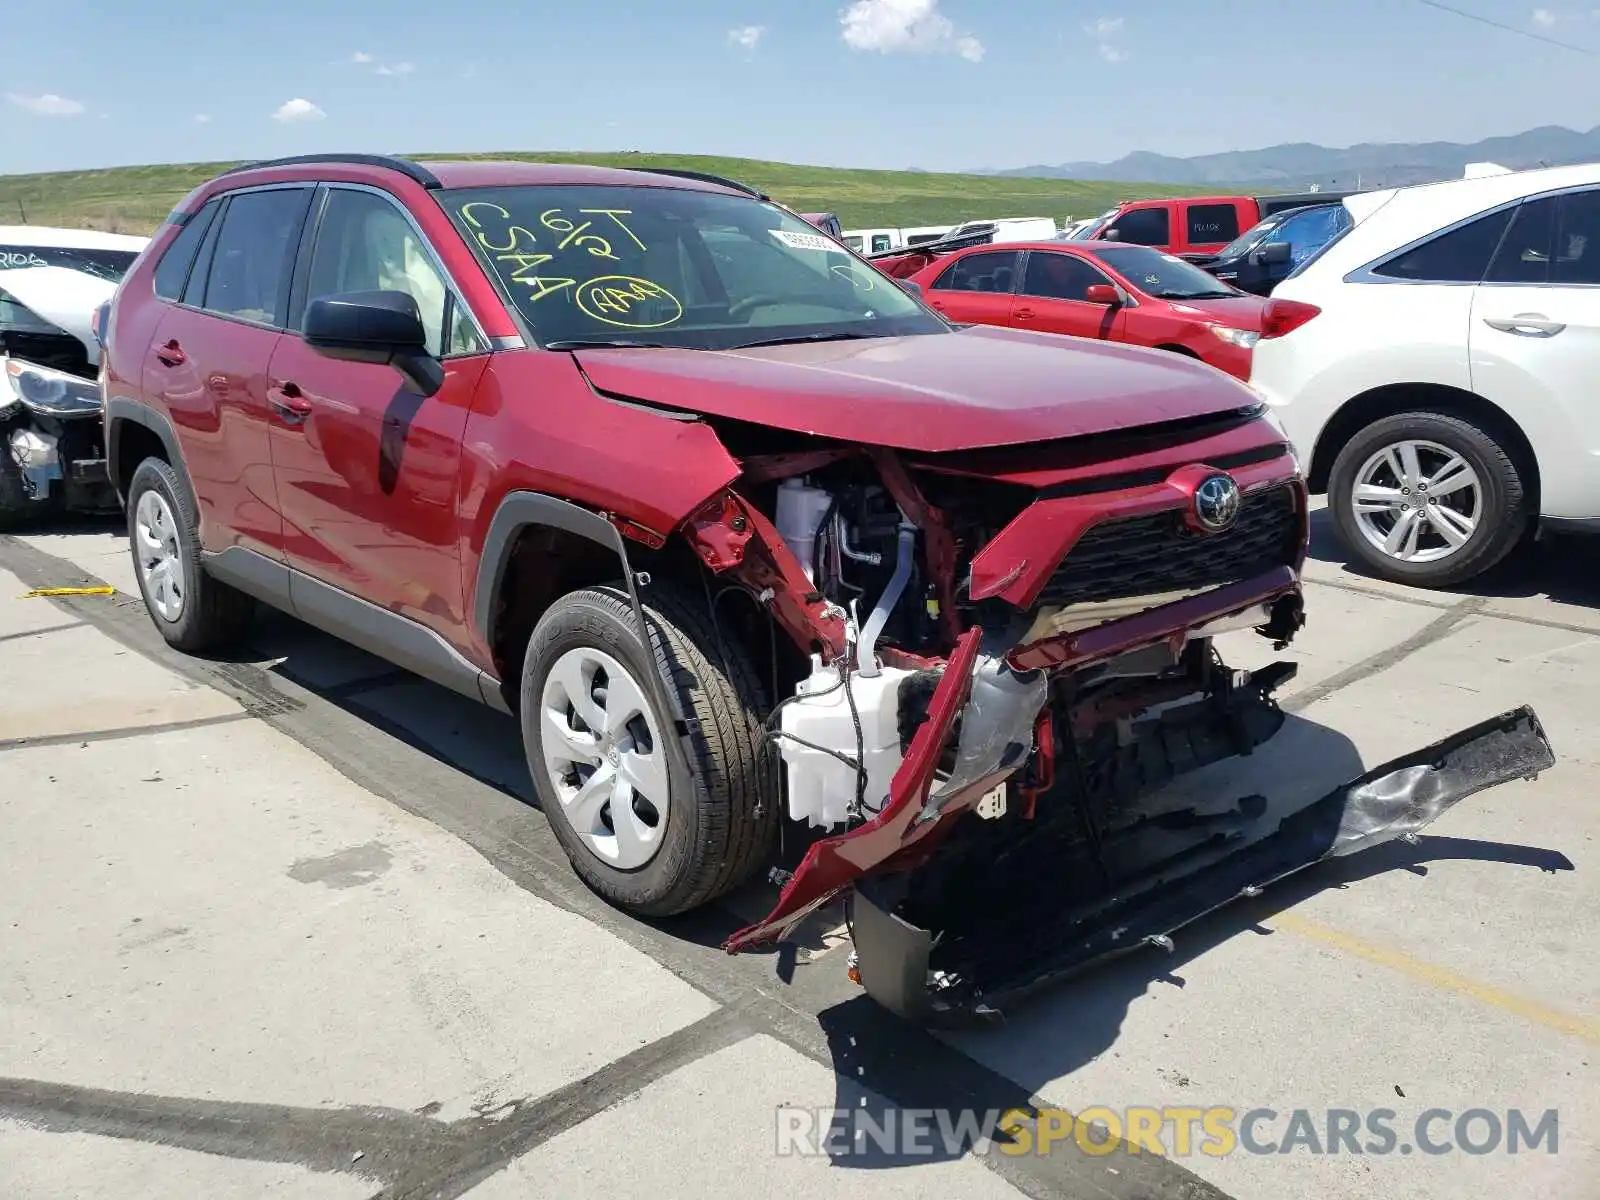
[
  {"x": 976, "y": 387},
  {"x": 1238, "y": 312}
]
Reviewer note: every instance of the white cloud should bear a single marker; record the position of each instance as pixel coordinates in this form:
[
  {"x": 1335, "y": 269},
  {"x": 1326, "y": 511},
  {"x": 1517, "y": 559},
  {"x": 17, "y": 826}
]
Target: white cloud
[
  {"x": 1543, "y": 18},
  {"x": 202, "y": 118},
  {"x": 298, "y": 110},
  {"x": 1104, "y": 27},
  {"x": 403, "y": 68},
  {"x": 747, "y": 37},
  {"x": 905, "y": 26},
  {"x": 361, "y": 56},
  {"x": 47, "y": 105},
  {"x": 1111, "y": 53}
]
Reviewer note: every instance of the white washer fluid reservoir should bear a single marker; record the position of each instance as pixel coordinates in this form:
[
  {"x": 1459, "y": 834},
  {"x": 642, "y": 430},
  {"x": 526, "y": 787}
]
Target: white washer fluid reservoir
[
  {"x": 800, "y": 510},
  {"x": 821, "y": 788}
]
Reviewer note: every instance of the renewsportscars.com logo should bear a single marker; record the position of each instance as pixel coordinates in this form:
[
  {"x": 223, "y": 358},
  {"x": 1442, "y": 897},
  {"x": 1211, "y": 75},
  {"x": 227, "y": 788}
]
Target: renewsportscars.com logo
[{"x": 1168, "y": 1131}]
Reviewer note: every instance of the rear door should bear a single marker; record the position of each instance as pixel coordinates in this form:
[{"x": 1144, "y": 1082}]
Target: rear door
[
  {"x": 1209, "y": 226},
  {"x": 1054, "y": 297},
  {"x": 207, "y": 363},
  {"x": 977, "y": 288},
  {"x": 1535, "y": 341}
]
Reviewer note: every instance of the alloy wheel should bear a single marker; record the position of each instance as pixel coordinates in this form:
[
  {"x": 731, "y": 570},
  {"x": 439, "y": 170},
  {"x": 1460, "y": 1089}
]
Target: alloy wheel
[{"x": 1417, "y": 501}]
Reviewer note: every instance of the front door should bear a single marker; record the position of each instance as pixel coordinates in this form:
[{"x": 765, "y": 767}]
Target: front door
[
  {"x": 1054, "y": 298},
  {"x": 367, "y": 468},
  {"x": 977, "y": 288},
  {"x": 1535, "y": 342}
]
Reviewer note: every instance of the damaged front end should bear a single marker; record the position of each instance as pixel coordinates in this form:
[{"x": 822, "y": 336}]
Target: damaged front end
[{"x": 991, "y": 754}]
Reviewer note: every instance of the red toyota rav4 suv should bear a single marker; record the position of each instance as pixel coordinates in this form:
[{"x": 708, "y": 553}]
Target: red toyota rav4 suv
[{"x": 634, "y": 454}]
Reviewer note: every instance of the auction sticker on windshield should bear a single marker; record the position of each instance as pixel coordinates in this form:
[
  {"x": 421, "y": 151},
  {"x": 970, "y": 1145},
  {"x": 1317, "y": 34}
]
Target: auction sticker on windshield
[{"x": 804, "y": 241}]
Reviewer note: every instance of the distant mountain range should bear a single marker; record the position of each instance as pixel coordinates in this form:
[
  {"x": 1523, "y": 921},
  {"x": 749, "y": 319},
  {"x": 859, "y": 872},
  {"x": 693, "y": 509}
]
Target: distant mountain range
[{"x": 1299, "y": 164}]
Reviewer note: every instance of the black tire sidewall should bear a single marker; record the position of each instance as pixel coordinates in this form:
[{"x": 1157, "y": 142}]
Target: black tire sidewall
[
  {"x": 578, "y": 620},
  {"x": 1500, "y": 526}
]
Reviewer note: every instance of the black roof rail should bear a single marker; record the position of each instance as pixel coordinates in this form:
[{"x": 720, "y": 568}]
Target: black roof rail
[
  {"x": 404, "y": 166},
  {"x": 703, "y": 177}
]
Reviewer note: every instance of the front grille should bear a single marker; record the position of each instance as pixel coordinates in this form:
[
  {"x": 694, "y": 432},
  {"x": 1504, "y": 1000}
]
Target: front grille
[{"x": 1141, "y": 556}]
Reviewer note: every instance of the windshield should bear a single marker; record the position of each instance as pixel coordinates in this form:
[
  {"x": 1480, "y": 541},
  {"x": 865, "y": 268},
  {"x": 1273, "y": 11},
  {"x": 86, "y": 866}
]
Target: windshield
[
  {"x": 635, "y": 266},
  {"x": 1250, "y": 238},
  {"x": 110, "y": 265},
  {"x": 1088, "y": 232},
  {"x": 1162, "y": 275}
]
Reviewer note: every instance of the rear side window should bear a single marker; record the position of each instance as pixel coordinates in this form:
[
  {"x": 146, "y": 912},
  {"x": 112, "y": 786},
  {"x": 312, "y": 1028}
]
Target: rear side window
[
  {"x": 254, "y": 252},
  {"x": 1460, "y": 256},
  {"x": 1143, "y": 227},
  {"x": 992, "y": 271},
  {"x": 172, "y": 272},
  {"x": 1554, "y": 240},
  {"x": 1213, "y": 222}
]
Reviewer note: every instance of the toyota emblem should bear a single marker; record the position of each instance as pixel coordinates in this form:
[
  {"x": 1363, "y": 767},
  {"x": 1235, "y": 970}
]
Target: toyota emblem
[{"x": 1216, "y": 503}]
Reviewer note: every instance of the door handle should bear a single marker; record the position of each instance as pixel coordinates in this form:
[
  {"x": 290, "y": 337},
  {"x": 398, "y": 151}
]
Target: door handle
[
  {"x": 289, "y": 404},
  {"x": 172, "y": 354},
  {"x": 1526, "y": 324},
  {"x": 1023, "y": 314}
]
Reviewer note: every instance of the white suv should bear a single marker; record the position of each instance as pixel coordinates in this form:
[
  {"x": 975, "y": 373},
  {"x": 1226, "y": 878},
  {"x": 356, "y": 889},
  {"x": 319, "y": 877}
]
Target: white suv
[{"x": 1437, "y": 367}]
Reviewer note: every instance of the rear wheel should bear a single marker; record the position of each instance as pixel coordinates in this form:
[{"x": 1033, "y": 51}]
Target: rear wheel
[
  {"x": 1427, "y": 498},
  {"x": 192, "y": 611},
  {"x": 614, "y": 777}
]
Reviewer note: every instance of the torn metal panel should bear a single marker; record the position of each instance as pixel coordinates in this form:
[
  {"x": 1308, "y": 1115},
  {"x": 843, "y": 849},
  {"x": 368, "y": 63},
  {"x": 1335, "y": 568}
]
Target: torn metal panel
[
  {"x": 997, "y": 729},
  {"x": 1169, "y": 871}
]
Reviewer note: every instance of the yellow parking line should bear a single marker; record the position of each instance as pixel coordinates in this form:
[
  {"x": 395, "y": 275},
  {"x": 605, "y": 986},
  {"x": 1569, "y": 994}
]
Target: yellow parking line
[{"x": 1440, "y": 977}]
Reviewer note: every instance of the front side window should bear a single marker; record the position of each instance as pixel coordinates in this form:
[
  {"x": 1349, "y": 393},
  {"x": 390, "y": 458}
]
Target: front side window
[
  {"x": 1459, "y": 256},
  {"x": 1142, "y": 227},
  {"x": 251, "y": 261},
  {"x": 990, "y": 271},
  {"x": 1212, "y": 222},
  {"x": 1059, "y": 277},
  {"x": 1554, "y": 240},
  {"x": 671, "y": 266},
  {"x": 366, "y": 244}
]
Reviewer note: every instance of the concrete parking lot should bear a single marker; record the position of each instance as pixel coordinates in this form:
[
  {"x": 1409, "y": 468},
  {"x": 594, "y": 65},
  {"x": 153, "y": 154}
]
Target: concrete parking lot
[{"x": 291, "y": 925}]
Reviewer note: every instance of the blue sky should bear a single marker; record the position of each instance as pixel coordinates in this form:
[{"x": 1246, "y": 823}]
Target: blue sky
[{"x": 940, "y": 84}]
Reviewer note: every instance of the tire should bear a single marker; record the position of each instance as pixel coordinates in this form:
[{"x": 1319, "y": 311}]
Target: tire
[
  {"x": 1503, "y": 512},
  {"x": 209, "y": 615},
  {"x": 719, "y": 824}
]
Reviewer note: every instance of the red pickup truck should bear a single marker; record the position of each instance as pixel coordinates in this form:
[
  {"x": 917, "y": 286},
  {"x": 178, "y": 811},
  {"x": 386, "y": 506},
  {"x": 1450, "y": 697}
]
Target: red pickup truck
[{"x": 1193, "y": 224}]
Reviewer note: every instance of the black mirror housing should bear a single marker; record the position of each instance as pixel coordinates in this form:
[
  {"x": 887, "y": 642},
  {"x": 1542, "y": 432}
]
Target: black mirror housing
[
  {"x": 1275, "y": 254},
  {"x": 383, "y": 328}
]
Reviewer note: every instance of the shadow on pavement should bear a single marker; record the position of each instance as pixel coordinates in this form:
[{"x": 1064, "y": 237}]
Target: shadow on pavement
[{"x": 1562, "y": 568}]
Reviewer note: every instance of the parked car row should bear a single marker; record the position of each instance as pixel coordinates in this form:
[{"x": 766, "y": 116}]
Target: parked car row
[{"x": 1431, "y": 350}]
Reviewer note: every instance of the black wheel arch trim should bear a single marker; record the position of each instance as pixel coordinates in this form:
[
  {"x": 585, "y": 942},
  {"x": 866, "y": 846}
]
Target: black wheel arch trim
[
  {"x": 522, "y": 509},
  {"x": 119, "y": 411}
]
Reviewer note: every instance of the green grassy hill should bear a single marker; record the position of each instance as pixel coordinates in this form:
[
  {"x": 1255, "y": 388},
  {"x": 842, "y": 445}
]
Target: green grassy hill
[{"x": 135, "y": 199}]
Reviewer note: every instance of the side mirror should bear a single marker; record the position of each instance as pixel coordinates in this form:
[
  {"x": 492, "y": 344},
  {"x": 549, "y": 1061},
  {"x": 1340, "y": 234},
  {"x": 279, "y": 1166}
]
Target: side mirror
[
  {"x": 908, "y": 285},
  {"x": 1111, "y": 235},
  {"x": 1275, "y": 254},
  {"x": 1102, "y": 293},
  {"x": 384, "y": 328}
]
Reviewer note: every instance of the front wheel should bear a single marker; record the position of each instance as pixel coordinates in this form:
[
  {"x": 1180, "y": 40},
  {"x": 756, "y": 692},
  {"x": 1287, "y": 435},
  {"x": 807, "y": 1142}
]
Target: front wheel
[
  {"x": 613, "y": 775},
  {"x": 1427, "y": 498}
]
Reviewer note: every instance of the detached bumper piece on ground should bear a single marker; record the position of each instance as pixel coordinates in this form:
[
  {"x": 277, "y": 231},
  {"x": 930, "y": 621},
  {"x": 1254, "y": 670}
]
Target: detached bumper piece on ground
[{"x": 964, "y": 935}]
